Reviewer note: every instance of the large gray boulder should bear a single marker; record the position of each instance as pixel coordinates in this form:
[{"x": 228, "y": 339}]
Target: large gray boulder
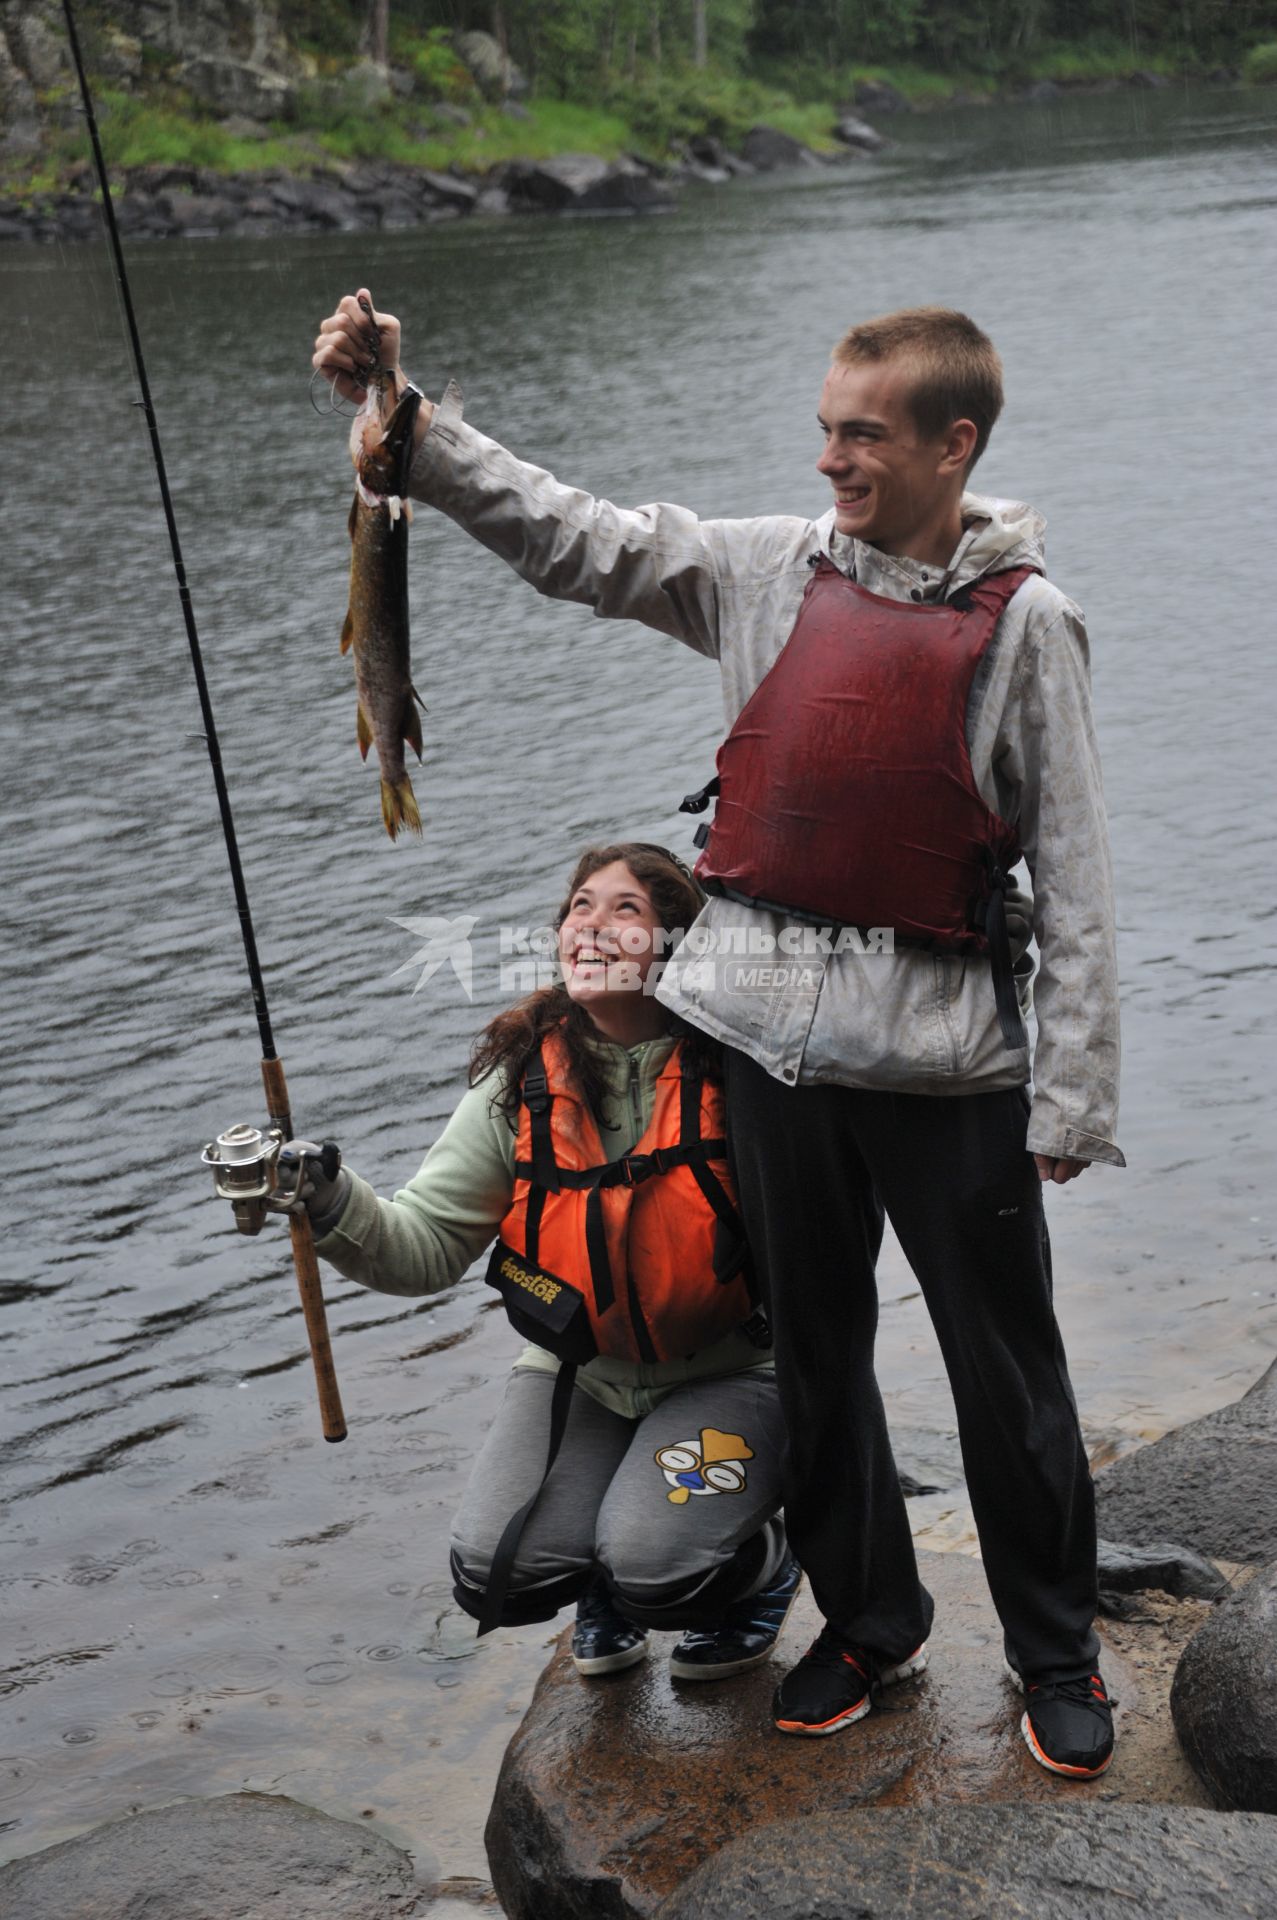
[
  {"x": 854, "y": 132},
  {"x": 1065, "y": 1862},
  {"x": 583, "y": 183},
  {"x": 767, "y": 148},
  {"x": 1211, "y": 1485},
  {"x": 612, "y": 1792},
  {"x": 245, "y": 1856},
  {"x": 1224, "y": 1697}
]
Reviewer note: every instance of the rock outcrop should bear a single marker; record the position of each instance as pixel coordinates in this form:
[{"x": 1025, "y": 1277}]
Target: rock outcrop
[
  {"x": 1211, "y": 1485},
  {"x": 583, "y": 183},
  {"x": 1224, "y": 1697},
  {"x": 767, "y": 148},
  {"x": 225, "y": 1859},
  {"x": 1068, "y": 1862},
  {"x": 614, "y": 1791}
]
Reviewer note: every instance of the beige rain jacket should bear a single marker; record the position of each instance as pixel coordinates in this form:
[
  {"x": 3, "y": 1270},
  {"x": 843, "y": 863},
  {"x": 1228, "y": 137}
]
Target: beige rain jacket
[{"x": 911, "y": 1021}]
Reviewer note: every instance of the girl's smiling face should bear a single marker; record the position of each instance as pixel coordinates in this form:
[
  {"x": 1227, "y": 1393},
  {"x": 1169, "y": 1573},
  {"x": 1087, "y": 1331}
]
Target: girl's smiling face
[{"x": 607, "y": 941}]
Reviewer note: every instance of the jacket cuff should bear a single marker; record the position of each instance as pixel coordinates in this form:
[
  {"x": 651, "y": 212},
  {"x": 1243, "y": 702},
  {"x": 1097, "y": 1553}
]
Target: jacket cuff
[
  {"x": 359, "y": 1220},
  {"x": 1074, "y": 1144},
  {"x": 438, "y": 438}
]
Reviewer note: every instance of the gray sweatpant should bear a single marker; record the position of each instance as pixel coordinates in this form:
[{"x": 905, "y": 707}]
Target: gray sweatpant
[{"x": 677, "y": 1510}]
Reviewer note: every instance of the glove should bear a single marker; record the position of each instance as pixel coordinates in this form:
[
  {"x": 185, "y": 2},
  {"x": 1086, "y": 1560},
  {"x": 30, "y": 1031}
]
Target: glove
[
  {"x": 312, "y": 1177},
  {"x": 1019, "y": 914}
]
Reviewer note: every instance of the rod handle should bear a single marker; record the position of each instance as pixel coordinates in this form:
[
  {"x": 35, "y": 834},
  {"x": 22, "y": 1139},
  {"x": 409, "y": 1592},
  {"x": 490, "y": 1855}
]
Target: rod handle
[{"x": 306, "y": 1267}]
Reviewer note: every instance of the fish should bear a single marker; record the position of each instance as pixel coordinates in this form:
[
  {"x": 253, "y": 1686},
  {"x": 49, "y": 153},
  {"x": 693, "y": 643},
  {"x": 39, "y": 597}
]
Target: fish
[{"x": 376, "y": 625}]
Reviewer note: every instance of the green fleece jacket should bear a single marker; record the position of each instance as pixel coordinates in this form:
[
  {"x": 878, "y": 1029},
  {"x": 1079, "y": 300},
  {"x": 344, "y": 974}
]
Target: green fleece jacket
[{"x": 448, "y": 1214}]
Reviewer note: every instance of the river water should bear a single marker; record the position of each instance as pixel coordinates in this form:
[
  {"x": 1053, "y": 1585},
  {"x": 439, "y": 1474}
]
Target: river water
[{"x": 199, "y": 1594}]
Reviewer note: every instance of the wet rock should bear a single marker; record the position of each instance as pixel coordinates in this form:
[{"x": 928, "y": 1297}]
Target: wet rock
[
  {"x": 582, "y": 183},
  {"x": 767, "y": 148},
  {"x": 1041, "y": 92},
  {"x": 1211, "y": 1484},
  {"x": 613, "y": 1791},
  {"x": 493, "y": 200},
  {"x": 550, "y": 185},
  {"x": 1144, "y": 77},
  {"x": 1074, "y": 1862},
  {"x": 878, "y": 96},
  {"x": 224, "y": 1859},
  {"x": 857, "y": 133},
  {"x": 1224, "y": 1697},
  {"x": 449, "y": 190},
  {"x": 708, "y": 151},
  {"x": 1174, "y": 1570}
]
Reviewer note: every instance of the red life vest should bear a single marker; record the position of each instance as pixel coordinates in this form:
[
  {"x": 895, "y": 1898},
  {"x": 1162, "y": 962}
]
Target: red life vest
[
  {"x": 845, "y": 789},
  {"x": 641, "y": 1257}
]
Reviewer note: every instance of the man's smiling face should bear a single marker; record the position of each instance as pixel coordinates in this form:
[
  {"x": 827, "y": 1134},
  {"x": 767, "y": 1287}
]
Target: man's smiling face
[{"x": 892, "y": 488}]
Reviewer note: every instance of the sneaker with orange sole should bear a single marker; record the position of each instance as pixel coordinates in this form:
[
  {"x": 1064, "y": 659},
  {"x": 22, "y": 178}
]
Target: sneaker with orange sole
[
  {"x": 834, "y": 1684},
  {"x": 1067, "y": 1724}
]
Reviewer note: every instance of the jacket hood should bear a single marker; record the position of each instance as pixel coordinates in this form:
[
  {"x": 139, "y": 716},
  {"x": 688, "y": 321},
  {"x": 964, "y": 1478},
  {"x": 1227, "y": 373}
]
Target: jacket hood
[{"x": 998, "y": 534}]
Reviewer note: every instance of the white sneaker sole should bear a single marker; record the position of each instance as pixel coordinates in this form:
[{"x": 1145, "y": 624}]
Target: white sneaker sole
[
  {"x": 687, "y": 1670},
  {"x": 613, "y": 1662}
]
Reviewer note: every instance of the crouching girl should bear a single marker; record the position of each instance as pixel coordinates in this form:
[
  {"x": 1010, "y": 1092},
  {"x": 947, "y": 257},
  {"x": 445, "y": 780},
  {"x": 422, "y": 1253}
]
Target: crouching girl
[{"x": 590, "y": 1154}]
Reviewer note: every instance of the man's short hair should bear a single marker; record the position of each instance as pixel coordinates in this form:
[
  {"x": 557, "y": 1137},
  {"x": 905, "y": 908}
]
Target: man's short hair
[{"x": 957, "y": 374}]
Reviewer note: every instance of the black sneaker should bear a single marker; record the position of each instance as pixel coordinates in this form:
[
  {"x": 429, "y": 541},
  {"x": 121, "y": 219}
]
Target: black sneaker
[
  {"x": 602, "y": 1642},
  {"x": 834, "y": 1683},
  {"x": 745, "y": 1635},
  {"x": 1068, "y": 1724}
]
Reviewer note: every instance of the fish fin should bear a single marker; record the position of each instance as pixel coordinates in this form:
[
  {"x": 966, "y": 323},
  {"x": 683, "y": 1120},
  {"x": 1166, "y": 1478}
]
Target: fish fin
[
  {"x": 412, "y": 726},
  {"x": 363, "y": 731},
  {"x": 417, "y": 697},
  {"x": 353, "y": 519},
  {"x": 347, "y": 631},
  {"x": 399, "y": 807}
]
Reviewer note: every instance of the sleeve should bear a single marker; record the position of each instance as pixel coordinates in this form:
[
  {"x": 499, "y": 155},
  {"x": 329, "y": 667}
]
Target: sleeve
[
  {"x": 1051, "y": 756},
  {"x": 435, "y": 1227},
  {"x": 660, "y": 564}
]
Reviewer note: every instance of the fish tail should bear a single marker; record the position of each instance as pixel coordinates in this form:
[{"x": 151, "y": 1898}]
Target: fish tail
[{"x": 399, "y": 807}]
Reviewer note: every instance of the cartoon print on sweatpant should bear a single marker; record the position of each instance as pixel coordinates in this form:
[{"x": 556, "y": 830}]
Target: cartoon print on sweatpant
[{"x": 713, "y": 1464}]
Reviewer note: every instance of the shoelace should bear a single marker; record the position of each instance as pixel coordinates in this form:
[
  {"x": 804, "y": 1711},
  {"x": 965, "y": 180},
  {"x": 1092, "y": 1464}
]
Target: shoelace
[
  {"x": 831, "y": 1649},
  {"x": 1086, "y": 1690}
]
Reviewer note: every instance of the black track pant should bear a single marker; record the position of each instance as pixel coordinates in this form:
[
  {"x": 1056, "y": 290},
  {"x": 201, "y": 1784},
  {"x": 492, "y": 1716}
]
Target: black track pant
[{"x": 815, "y": 1168}]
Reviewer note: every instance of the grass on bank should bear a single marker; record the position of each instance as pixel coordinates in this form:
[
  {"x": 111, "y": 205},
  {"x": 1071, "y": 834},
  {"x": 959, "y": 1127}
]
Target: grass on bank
[{"x": 651, "y": 113}]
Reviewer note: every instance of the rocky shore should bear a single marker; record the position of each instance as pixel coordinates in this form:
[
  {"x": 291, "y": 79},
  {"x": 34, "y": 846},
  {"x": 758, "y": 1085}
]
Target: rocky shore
[{"x": 188, "y": 202}]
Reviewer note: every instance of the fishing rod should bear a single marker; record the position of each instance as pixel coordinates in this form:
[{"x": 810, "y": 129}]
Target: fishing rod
[{"x": 244, "y": 1161}]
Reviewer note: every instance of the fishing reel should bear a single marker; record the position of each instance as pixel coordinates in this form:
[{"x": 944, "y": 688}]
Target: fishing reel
[{"x": 246, "y": 1171}]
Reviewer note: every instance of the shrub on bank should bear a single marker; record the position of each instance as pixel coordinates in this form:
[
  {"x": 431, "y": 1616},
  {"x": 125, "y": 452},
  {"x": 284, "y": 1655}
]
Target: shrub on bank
[{"x": 1260, "y": 65}]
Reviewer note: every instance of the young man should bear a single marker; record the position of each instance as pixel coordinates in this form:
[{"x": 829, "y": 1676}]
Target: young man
[{"x": 918, "y": 717}]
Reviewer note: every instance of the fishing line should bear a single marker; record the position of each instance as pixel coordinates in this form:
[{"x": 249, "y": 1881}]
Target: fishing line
[
  {"x": 188, "y": 612},
  {"x": 277, "y": 1100}
]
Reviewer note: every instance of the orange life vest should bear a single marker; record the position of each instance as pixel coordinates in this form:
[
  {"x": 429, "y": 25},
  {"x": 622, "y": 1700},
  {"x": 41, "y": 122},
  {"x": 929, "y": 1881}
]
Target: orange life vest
[{"x": 641, "y": 1258}]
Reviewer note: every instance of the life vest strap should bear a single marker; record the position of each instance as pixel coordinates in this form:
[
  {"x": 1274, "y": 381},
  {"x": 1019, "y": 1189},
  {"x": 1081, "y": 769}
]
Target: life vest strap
[
  {"x": 631, "y": 1170},
  {"x": 991, "y": 918},
  {"x": 508, "y": 1544},
  {"x": 538, "y": 1100}
]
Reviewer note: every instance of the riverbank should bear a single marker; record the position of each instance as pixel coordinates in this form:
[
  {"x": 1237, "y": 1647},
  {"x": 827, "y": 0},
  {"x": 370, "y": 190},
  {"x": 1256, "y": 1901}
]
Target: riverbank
[
  {"x": 304, "y": 189},
  {"x": 202, "y": 140}
]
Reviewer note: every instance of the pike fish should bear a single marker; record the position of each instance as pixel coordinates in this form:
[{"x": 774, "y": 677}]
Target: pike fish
[{"x": 377, "y": 620}]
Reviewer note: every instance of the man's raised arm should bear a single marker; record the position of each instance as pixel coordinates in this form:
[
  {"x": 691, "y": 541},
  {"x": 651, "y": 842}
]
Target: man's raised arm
[{"x": 656, "y": 564}]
